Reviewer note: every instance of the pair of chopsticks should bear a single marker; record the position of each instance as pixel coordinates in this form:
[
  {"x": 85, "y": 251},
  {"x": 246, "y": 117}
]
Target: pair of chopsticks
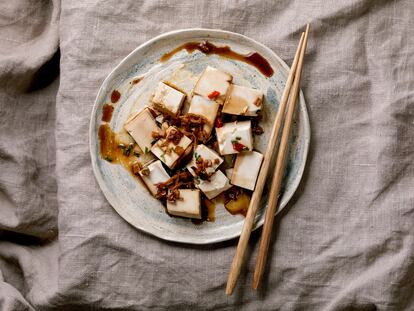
[{"x": 288, "y": 99}]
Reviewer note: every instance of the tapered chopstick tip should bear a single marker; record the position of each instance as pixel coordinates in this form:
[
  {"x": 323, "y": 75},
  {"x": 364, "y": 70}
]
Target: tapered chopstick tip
[{"x": 229, "y": 289}]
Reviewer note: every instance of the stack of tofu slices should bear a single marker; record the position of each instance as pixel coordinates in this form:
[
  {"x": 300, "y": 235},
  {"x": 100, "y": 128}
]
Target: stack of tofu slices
[{"x": 213, "y": 93}]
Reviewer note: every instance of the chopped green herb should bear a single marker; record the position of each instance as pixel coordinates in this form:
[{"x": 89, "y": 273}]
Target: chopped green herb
[
  {"x": 136, "y": 154},
  {"x": 127, "y": 151},
  {"x": 122, "y": 146},
  {"x": 238, "y": 138},
  {"x": 108, "y": 158},
  {"x": 163, "y": 157},
  {"x": 234, "y": 141},
  {"x": 196, "y": 155},
  {"x": 146, "y": 150},
  {"x": 153, "y": 142}
]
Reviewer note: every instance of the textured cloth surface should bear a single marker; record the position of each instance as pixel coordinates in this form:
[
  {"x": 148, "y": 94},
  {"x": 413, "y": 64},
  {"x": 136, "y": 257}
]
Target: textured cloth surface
[{"x": 346, "y": 241}]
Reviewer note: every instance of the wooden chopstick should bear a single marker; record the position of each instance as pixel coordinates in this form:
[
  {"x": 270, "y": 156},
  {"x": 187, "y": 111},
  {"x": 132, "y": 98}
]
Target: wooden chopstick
[
  {"x": 279, "y": 171},
  {"x": 261, "y": 180}
]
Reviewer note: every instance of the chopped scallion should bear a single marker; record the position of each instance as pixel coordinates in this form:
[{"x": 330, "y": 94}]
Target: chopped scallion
[{"x": 127, "y": 151}]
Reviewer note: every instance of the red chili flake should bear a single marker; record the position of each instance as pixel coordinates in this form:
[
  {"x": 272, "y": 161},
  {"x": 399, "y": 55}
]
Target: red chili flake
[
  {"x": 219, "y": 123},
  {"x": 239, "y": 147},
  {"x": 214, "y": 95},
  {"x": 115, "y": 96}
]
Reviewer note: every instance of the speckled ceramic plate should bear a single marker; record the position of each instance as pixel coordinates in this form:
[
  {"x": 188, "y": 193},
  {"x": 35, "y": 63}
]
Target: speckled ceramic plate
[{"x": 128, "y": 197}]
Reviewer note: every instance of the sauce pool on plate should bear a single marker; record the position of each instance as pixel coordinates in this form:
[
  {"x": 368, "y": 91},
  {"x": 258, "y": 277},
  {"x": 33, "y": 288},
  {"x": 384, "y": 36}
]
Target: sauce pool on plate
[
  {"x": 206, "y": 47},
  {"x": 113, "y": 150}
]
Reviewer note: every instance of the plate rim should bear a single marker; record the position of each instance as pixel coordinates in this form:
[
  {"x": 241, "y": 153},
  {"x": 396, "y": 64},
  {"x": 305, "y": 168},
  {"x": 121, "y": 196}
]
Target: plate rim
[{"x": 113, "y": 74}]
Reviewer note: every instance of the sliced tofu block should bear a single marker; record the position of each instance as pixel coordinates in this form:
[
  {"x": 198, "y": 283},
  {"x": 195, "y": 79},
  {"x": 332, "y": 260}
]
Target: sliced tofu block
[
  {"x": 206, "y": 108},
  {"x": 123, "y": 138},
  {"x": 205, "y": 153},
  {"x": 188, "y": 205},
  {"x": 217, "y": 184},
  {"x": 213, "y": 80},
  {"x": 167, "y": 99},
  {"x": 246, "y": 169},
  {"x": 229, "y": 172},
  {"x": 144, "y": 158},
  {"x": 235, "y": 137},
  {"x": 168, "y": 152},
  {"x": 153, "y": 174},
  {"x": 242, "y": 100},
  {"x": 140, "y": 126}
]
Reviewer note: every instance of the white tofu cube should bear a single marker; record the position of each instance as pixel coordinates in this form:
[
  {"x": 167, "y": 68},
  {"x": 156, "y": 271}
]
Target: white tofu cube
[
  {"x": 123, "y": 138},
  {"x": 188, "y": 205},
  {"x": 217, "y": 184},
  {"x": 153, "y": 174},
  {"x": 206, "y": 108},
  {"x": 168, "y": 153},
  {"x": 243, "y": 100},
  {"x": 140, "y": 126},
  {"x": 235, "y": 137},
  {"x": 167, "y": 99},
  {"x": 205, "y": 154},
  {"x": 246, "y": 169},
  {"x": 212, "y": 80}
]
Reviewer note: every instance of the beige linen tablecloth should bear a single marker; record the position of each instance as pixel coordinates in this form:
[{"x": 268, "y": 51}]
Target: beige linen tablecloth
[{"x": 346, "y": 241}]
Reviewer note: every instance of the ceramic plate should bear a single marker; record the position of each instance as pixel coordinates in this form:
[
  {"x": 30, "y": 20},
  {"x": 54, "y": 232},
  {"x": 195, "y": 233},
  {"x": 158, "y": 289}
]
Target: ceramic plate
[{"x": 128, "y": 197}]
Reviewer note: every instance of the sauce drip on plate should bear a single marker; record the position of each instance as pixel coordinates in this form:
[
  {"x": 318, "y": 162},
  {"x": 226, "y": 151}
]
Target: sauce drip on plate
[
  {"x": 137, "y": 80},
  {"x": 107, "y": 111},
  {"x": 206, "y": 47},
  {"x": 115, "y": 96}
]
